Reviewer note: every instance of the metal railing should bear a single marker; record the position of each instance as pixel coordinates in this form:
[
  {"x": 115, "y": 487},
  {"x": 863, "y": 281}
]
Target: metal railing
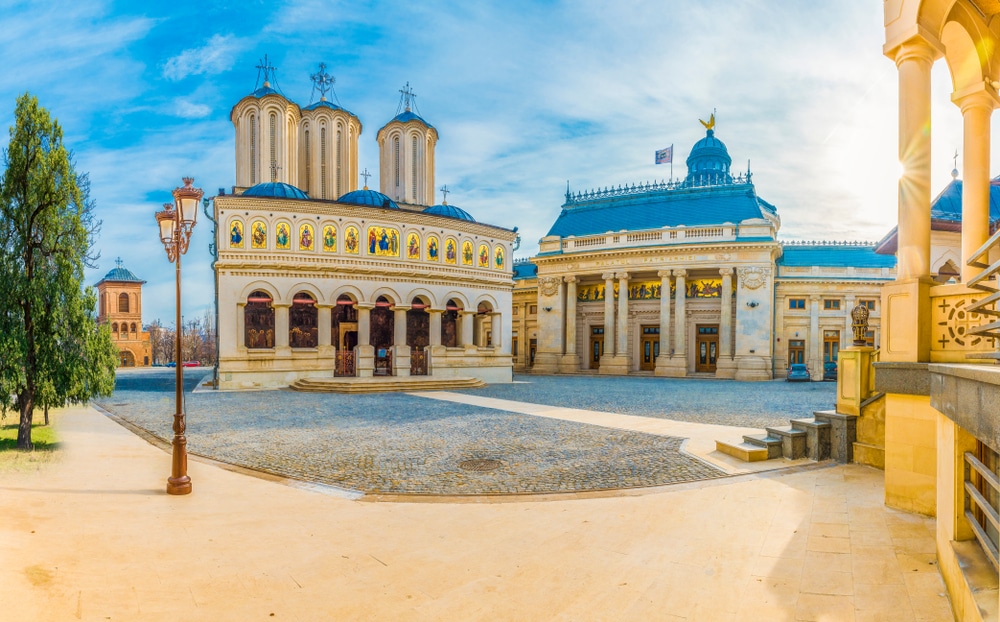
[
  {"x": 989, "y": 305},
  {"x": 979, "y": 483}
]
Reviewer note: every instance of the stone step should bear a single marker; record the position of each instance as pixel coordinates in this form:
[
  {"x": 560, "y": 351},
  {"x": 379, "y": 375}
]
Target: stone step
[
  {"x": 743, "y": 451},
  {"x": 817, "y": 437},
  {"x": 793, "y": 442},
  {"x": 843, "y": 434},
  {"x": 771, "y": 443},
  {"x": 387, "y": 384}
]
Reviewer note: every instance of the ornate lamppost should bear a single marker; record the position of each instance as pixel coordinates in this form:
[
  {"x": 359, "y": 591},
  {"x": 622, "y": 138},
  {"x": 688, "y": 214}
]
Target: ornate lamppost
[{"x": 176, "y": 222}]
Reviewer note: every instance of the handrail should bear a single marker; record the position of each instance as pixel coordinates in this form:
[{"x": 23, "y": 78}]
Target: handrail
[
  {"x": 975, "y": 500},
  {"x": 989, "y": 305}
]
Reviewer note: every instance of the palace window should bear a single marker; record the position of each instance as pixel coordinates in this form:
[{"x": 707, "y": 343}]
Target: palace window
[
  {"x": 533, "y": 310},
  {"x": 123, "y": 303},
  {"x": 650, "y": 330},
  {"x": 796, "y": 303},
  {"x": 515, "y": 311},
  {"x": 869, "y": 304},
  {"x": 513, "y": 344},
  {"x": 131, "y": 328},
  {"x": 303, "y": 331},
  {"x": 831, "y": 304},
  {"x": 114, "y": 329},
  {"x": 831, "y": 345},
  {"x": 258, "y": 320}
]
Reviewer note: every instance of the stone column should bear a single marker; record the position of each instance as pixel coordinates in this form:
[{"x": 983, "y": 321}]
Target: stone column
[
  {"x": 400, "y": 351},
  {"x": 365, "y": 352},
  {"x": 621, "y": 332},
  {"x": 609, "y": 317},
  {"x": 435, "y": 327},
  {"x": 725, "y": 364},
  {"x": 680, "y": 319},
  {"x": 327, "y": 353},
  {"x": 815, "y": 358},
  {"x": 496, "y": 329},
  {"x": 977, "y": 107},
  {"x": 662, "y": 361},
  {"x": 241, "y": 326},
  {"x": 281, "y": 329},
  {"x": 467, "y": 318},
  {"x": 570, "y": 362}
]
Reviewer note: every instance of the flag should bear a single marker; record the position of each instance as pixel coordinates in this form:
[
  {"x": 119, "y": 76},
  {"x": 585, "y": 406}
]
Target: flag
[{"x": 665, "y": 156}]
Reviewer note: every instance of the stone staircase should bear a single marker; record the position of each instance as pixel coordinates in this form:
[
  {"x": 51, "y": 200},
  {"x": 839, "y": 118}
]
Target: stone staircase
[
  {"x": 827, "y": 435},
  {"x": 385, "y": 384}
]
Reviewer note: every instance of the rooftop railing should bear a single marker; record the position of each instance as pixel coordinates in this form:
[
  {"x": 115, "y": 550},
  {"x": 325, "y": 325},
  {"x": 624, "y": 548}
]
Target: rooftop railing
[{"x": 989, "y": 305}]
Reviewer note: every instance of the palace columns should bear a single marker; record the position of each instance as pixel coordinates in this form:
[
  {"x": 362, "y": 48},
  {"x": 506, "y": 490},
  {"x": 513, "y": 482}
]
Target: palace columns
[
  {"x": 906, "y": 302},
  {"x": 435, "y": 326},
  {"x": 281, "y": 329},
  {"x": 621, "y": 347},
  {"x": 815, "y": 339},
  {"x": 401, "y": 351},
  {"x": 365, "y": 363},
  {"x": 467, "y": 318},
  {"x": 680, "y": 326},
  {"x": 676, "y": 365},
  {"x": 664, "y": 355},
  {"x": 550, "y": 326},
  {"x": 607, "y": 365},
  {"x": 977, "y": 107},
  {"x": 570, "y": 362},
  {"x": 496, "y": 329},
  {"x": 725, "y": 365}
]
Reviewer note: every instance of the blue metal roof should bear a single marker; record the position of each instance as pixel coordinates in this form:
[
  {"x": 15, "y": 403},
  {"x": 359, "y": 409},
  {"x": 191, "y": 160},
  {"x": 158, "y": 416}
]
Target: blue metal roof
[
  {"x": 409, "y": 115},
  {"x": 525, "y": 270},
  {"x": 122, "y": 275},
  {"x": 450, "y": 211},
  {"x": 948, "y": 204},
  {"x": 835, "y": 255},
  {"x": 277, "y": 190},
  {"x": 327, "y": 104},
  {"x": 710, "y": 205},
  {"x": 368, "y": 197},
  {"x": 265, "y": 90}
]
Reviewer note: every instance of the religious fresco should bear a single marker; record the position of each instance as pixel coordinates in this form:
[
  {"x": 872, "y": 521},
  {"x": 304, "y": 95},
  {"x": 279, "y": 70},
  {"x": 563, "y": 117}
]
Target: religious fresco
[
  {"x": 352, "y": 241},
  {"x": 412, "y": 246},
  {"x": 467, "y": 253},
  {"x": 283, "y": 236},
  {"x": 236, "y": 234},
  {"x": 383, "y": 241},
  {"x": 484, "y": 256},
  {"x": 637, "y": 290},
  {"x": 329, "y": 239},
  {"x": 704, "y": 288},
  {"x": 258, "y": 234},
  {"x": 498, "y": 258},
  {"x": 433, "y": 250},
  {"x": 450, "y": 251},
  {"x": 306, "y": 237},
  {"x": 591, "y": 293}
]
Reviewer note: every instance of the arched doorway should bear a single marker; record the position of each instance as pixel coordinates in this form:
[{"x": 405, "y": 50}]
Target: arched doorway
[
  {"x": 126, "y": 359},
  {"x": 483, "y": 329},
  {"x": 258, "y": 320},
  {"x": 449, "y": 324},
  {"x": 382, "y": 332},
  {"x": 344, "y": 334},
  {"x": 303, "y": 324},
  {"x": 418, "y": 324}
]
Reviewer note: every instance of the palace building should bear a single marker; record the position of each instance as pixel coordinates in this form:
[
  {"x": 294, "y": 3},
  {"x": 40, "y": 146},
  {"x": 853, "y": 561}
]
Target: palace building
[
  {"x": 119, "y": 296},
  {"x": 319, "y": 278},
  {"x": 688, "y": 278}
]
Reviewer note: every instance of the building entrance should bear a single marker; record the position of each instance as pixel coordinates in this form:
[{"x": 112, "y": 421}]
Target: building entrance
[
  {"x": 831, "y": 345},
  {"x": 596, "y": 346},
  {"x": 650, "y": 347},
  {"x": 796, "y": 351},
  {"x": 706, "y": 347}
]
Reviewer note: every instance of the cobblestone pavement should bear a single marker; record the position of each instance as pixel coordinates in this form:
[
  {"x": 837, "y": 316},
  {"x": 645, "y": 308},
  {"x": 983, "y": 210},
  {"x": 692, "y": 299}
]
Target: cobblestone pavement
[
  {"x": 721, "y": 402},
  {"x": 401, "y": 444}
]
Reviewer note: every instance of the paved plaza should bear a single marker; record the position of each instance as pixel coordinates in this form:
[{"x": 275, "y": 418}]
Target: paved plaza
[{"x": 440, "y": 443}]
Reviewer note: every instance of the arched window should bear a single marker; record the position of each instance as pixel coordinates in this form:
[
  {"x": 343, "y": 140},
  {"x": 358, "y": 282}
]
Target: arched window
[
  {"x": 303, "y": 331},
  {"x": 396, "y": 156},
  {"x": 131, "y": 327},
  {"x": 340, "y": 140},
  {"x": 123, "y": 303},
  {"x": 258, "y": 320},
  {"x": 308, "y": 160},
  {"x": 274, "y": 147},
  {"x": 322, "y": 162},
  {"x": 253, "y": 150},
  {"x": 449, "y": 324},
  {"x": 114, "y": 329},
  {"x": 413, "y": 168},
  {"x": 346, "y": 337}
]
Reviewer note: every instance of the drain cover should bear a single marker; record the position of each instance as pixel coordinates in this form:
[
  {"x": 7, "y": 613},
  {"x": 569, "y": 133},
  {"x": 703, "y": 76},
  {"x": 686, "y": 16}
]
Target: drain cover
[{"x": 480, "y": 464}]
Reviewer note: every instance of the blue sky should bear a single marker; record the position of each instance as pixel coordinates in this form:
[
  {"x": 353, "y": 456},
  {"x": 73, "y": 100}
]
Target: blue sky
[{"x": 525, "y": 95}]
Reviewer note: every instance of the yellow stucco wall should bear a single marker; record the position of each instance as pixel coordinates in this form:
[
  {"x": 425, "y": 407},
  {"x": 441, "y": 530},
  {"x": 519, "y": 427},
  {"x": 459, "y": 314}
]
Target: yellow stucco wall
[{"x": 910, "y": 453}]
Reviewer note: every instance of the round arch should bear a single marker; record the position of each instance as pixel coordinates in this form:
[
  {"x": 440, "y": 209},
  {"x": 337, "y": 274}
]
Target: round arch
[
  {"x": 262, "y": 286},
  {"x": 347, "y": 290},
  {"x": 426, "y": 295},
  {"x": 305, "y": 286},
  {"x": 391, "y": 294}
]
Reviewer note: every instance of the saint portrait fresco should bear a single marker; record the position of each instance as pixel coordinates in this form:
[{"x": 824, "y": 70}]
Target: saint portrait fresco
[
  {"x": 704, "y": 288},
  {"x": 467, "y": 256},
  {"x": 432, "y": 248},
  {"x": 498, "y": 258},
  {"x": 383, "y": 241},
  {"x": 352, "y": 240},
  {"x": 412, "y": 246},
  {"x": 283, "y": 236},
  {"x": 450, "y": 251},
  {"x": 306, "y": 238},
  {"x": 484, "y": 256},
  {"x": 330, "y": 239},
  {"x": 258, "y": 234},
  {"x": 236, "y": 234}
]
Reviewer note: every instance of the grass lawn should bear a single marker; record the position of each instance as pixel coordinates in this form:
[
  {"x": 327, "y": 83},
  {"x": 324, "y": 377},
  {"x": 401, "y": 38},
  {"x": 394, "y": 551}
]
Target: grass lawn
[{"x": 43, "y": 436}]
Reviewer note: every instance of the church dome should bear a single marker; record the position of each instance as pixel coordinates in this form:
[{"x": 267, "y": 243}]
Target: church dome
[
  {"x": 408, "y": 115},
  {"x": 277, "y": 190},
  {"x": 368, "y": 197},
  {"x": 450, "y": 211},
  {"x": 123, "y": 275},
  {"x": 709, "y": 158}
]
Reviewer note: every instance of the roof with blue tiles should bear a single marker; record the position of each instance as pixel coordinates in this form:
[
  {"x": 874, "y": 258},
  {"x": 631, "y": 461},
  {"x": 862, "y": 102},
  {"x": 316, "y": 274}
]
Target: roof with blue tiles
[
  {"x": 525, "y": 270},
  {"x": 275, "y": 189},
  {"x": 834, "y": 255}
]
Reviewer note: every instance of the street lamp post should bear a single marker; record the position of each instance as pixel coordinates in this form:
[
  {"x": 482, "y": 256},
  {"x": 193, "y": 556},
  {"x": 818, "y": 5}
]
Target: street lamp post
[{"x": 176, "y": 222}]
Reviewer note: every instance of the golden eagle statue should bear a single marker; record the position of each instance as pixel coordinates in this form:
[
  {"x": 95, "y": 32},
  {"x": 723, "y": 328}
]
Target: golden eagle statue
[{"x": 710, "y": 124}]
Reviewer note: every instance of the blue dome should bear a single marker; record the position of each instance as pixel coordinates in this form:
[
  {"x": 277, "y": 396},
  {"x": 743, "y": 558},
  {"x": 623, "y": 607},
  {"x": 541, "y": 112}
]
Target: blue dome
[
  {"x": 327, "y": 104},
  {"x": 709, "y": 158},
  {"x": 275, "y": 189},
  {"x": 408, "y": 115},
  {"x": 121, "y": 274},
  {"x": 450, "y": 211},
  {"x": 264, "y": 90},
  {"x": 368, "y": 197}
]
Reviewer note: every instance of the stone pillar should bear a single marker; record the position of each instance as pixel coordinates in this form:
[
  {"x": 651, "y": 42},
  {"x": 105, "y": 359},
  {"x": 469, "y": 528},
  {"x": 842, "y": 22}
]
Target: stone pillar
[
  {"x": 467, "y": 318},
  {"x": 326, "y": 352},
  {"x": 496, "y": 328},
  {"x": 815, "y": 358},
  {"x": 725, "y": 365},
  {"x": 435, "y": 326},
  {"x": 977, "y": 107},
  {"x": 365, "y": 352},
  {"x": 570, "y": 362},
  {"x": 672, "y": 362},
  {"x": 550, "y": 324},
  {"x": 400, "y": 351},
  {"x": 281, "y": 329},
  {"x": 680, "y": 319},
  {"x": 662, "y": 361},
  {"x": 609, "y": 318},
  {"x": 241, "y": 326},
  {"x": 621, "y": 331}
]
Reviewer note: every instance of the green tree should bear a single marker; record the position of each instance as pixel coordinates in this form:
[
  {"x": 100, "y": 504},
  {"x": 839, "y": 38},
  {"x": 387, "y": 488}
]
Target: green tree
[{"x": 54, "y": 352}]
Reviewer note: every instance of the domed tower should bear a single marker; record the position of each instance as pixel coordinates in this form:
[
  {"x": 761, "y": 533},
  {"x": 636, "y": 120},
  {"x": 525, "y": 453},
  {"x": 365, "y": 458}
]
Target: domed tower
[
  {"x": 328, "y": 144},
  {"x": 406, "y": 155},
  {"x": 709, "y": 161},
  {"x": 266, "y": 135}
]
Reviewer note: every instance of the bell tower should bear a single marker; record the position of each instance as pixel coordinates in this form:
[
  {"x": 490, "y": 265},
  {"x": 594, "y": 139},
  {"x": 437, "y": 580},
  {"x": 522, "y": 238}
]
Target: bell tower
[{"x": 406, "y": 154}]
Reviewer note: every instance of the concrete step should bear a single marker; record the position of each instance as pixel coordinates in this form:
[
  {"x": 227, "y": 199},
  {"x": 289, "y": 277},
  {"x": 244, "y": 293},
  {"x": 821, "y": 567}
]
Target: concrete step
[
  {"x": 384, "y": 384},
  {"x": 817, "y": 437},
  {"x": 793, "y": 442},
  {"x": 843, "y": 434},
  {"x": 771, "y": 443},
  {"x": 743, "y": 451}
]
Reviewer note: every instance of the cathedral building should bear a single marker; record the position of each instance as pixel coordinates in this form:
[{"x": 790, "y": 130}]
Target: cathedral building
[
  {"x": 320, "y": 278},
  {"x": 688, "y": 278},
  {"x": 119, "y": 296}
]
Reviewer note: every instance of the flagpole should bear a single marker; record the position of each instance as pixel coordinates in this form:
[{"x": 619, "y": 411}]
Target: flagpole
[{"x": 671, "y": 162}]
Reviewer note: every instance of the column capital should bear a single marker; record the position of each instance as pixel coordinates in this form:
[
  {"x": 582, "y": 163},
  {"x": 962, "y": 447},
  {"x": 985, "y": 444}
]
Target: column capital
[
  {"x": 680, "y": 272},
  {"x": 622, "y": 276},
  {"x": 325, "y": 305},
  {"x": 916, "y": 48},
  {"x": 608, "y": 276},
  {"x": 281, "y": 305},
  {"x": 570, "y": 279},
  {"x": 367, "y": 306},
  {"x": 401, "y": 307},
  {"x": 664, "y": 274},
  {"x": 726, "y": 271},
  {"x": 814, "y": 297},
  {"x": 429, "y": 310},
  {"x": 978, "y": 96}
]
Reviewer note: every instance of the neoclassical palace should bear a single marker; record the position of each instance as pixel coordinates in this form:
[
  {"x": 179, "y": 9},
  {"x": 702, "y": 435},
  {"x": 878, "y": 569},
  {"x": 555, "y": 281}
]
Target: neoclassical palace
[
  {"x": 318, "y": 278},
  {"x": 688, "y": 278}
]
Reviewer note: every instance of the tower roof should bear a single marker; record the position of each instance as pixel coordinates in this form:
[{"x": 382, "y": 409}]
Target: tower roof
[
  {"x": 275, "y": 189},
  {"x": 450, "y": 211},
  {"x": 371, "y": 198},
  {"x": 120, "y": 274}
]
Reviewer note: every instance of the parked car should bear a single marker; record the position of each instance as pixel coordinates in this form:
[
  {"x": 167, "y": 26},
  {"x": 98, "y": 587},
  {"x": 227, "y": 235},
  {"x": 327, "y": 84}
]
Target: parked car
[
  {"x": 192, "y": 364},
  {"x": 830, "y": 371},
  {"x": 171, "y": 364},
  {"x": 798, "y": 372}
]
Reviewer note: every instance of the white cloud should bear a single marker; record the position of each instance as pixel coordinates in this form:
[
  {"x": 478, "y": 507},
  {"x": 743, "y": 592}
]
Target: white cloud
[
  {"x": 216, "y": 56},
  {"x": 189, "y": 110}
]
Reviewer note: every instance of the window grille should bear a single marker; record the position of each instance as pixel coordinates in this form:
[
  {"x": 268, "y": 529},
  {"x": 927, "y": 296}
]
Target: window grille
[{"x": 982, "y": 490}]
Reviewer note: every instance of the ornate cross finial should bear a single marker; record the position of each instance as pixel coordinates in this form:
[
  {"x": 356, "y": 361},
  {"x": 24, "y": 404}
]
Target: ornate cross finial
[
  {"x": 954, "y": 170},
  {"x": 119, "y": 262},
  {"x": 274, "y": 170},
  {"x": 409, "y": 97},
  {"x": 322, "y": 81},
  {"x": 268, "y": 69},
  {"x": 445, "y": 191},
  {"x": 366, "y": 175}
]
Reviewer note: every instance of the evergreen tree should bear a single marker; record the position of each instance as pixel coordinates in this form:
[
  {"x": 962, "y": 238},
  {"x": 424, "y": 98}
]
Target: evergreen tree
[{"x": 54, "y": 352}]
